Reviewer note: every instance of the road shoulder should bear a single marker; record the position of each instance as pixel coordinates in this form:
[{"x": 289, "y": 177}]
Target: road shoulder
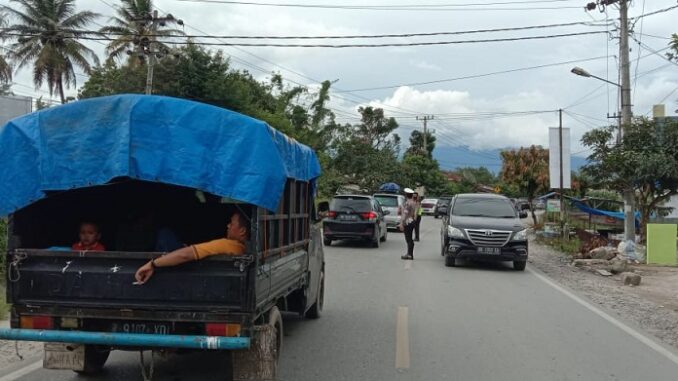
[{"x": 660, "y": 320}]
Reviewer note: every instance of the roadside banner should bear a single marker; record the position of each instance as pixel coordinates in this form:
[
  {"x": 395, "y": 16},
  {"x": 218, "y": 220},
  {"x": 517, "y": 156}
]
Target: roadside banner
[{"x": 554, "y": 158}]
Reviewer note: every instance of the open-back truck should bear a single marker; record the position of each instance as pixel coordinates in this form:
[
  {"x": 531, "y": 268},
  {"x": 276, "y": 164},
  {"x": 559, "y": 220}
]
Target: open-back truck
[{"x": 139, "y": 167}]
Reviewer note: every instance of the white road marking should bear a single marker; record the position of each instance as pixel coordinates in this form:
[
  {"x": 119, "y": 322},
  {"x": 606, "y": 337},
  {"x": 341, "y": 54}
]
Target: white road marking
[
  {"x": 408, "y": 265},
  {"x": 402, "y": 339},
  {"x": 22, "y": 371},
  {"x": 632, "y": 332}
]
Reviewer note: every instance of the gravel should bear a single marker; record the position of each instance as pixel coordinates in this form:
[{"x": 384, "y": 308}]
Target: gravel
[{"x": 609, "y": 293}]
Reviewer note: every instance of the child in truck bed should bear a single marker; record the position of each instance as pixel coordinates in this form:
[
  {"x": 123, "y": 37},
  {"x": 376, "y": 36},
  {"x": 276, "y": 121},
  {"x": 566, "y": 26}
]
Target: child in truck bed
[{"x": 89, "y": 238}]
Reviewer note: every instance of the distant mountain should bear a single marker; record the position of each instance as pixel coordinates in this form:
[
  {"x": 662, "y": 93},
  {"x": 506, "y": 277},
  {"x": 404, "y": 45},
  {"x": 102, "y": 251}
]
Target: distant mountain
[{"x": 451, "y": 158}]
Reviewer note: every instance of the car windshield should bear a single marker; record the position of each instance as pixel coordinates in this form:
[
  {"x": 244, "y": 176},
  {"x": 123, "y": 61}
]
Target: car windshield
[
  {"x": 387, "y": 201},
  {"x": 353, "y": 204},
  {"x": 483, "y": 207}
]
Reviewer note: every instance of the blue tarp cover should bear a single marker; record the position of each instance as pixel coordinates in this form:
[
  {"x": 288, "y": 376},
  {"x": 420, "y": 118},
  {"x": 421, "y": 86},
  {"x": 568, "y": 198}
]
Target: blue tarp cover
[
  {"x": 153, "y": 138},
  {"x": 390, "y": 187}
]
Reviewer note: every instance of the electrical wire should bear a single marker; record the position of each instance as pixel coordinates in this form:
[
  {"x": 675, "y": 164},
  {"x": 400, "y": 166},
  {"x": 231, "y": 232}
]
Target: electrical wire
[
  {"x": 635, "y": 76},
  {"x": 363, "y": 36},
  {"x": 417, "y": 7},
  {"x": 414, "y": 84},
  {"x": 332, "y": 46}
]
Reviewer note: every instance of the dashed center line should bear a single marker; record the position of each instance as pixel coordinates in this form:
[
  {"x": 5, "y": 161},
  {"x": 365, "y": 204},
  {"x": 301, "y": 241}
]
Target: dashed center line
[
  {"x": 402, "y": 360},
  {"x": 408, "y": 265}
]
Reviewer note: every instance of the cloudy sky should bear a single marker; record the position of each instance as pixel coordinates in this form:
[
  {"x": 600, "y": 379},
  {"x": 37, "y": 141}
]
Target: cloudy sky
[{"x": 475, "y": 105}]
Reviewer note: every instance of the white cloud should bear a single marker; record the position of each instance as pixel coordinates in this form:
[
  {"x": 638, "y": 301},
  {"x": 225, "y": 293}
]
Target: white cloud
[{"x": 421, "y": 64}]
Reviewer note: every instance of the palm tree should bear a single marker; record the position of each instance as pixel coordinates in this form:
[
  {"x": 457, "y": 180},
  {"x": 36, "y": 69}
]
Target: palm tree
[
  {"x": 5, "y": 68},
  {"x": 46, "y": 35},
  {"x": 131, "y": 27}
]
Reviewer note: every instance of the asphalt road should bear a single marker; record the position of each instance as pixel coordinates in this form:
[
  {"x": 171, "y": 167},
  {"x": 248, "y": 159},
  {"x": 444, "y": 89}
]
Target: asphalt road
[{"x": 389, "y": 319}]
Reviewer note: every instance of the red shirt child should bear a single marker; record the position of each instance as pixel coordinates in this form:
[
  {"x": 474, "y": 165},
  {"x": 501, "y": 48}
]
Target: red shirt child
[{"x": 89, "y": 238}]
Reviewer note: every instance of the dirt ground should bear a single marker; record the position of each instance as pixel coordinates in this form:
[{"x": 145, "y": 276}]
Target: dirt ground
[{"x": 653, "y": 306}]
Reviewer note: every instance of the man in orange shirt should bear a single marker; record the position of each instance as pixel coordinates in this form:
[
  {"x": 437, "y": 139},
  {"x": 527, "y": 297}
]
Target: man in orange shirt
[{"x": 234, "y": 244}]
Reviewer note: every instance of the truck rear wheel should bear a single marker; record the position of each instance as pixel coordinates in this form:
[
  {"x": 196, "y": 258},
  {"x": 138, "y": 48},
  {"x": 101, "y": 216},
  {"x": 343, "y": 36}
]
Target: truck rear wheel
[
  {"x": 95, "y": 359},
  {"x": 260, "y": 361},
  {"x": 317, "y": 307}
]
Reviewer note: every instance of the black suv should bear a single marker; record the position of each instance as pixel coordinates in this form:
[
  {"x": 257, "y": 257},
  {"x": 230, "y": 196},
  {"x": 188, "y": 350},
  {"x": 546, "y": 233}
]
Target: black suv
[
  {"x": 355, "y": 217},
  {"x": 484, "y": 227}
]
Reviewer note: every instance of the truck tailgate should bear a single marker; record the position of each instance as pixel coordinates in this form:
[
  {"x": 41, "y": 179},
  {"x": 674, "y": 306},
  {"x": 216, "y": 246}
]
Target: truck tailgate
[{"x": 106, "y": 279}]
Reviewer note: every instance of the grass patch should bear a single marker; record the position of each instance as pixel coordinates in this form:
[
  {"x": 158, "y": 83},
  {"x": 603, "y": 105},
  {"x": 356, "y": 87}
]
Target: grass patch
[{"x": 569, "y": 247}]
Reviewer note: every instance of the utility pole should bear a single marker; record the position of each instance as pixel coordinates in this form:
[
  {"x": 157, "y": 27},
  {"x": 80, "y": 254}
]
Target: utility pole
[
  {"x": 565, "y": 234},
  {"x": 626, "y": 113},
  {"x": 629, "y": 194},
  {"x": 147, "y": 46},
  {"x": 425, "y": 118}
]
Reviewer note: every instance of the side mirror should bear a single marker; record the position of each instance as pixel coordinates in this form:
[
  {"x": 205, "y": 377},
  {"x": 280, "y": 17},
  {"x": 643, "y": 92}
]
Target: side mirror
[
  {"x": 387, "y": 212},
  {"x": 522, "y": 214}
]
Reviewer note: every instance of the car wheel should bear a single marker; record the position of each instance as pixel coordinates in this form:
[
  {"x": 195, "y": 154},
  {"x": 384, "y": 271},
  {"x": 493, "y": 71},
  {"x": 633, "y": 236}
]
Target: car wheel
[
  {"x": 519, "y": 265},
  {"x": 375, "y": 242},
  {"x": 383, "y": 239},
  {"x": 450, "y": 261},
  {"x": 327, "y": 241}
]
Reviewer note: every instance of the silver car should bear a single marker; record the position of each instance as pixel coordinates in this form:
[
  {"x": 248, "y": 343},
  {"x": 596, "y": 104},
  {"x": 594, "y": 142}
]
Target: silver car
[{"x": 393, "y": 203}]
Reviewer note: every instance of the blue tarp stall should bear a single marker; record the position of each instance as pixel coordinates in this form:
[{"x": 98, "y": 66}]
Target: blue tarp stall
[
  {"x": 579, "y": 204},
  {"x": 598, "y": 212},
  {"x": 152, "y": 138}
]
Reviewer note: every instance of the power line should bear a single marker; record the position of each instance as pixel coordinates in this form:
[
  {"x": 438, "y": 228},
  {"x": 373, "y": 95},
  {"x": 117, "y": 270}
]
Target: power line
[
  {"x": 635, "y": 79},
  {"x": 413, "y": 84},
  {"x": 417, "y": 7},
  {"x": 332, "y": 46},
  {"x": 664, "y": 10},
  {"x": 365, "y": 36}
]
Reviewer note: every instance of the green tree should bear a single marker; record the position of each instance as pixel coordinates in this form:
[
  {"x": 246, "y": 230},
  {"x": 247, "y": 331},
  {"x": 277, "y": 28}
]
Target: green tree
[
  {"x": 47, "y": 33},
  {"x": 526, "y": 169},
  {"x": 5, "y": 68},
  {"x": 673, "y": 46},
  {"x": 646, "y": 160},
  {"x": 367, "y": 154},
  {"x": 376, "y": 129},
  {"x": 131, "y": 29},
  {"x": 417, "y": 143},
  {"x": 477, "y": 176},
  {"x": 419, "y": 170}
]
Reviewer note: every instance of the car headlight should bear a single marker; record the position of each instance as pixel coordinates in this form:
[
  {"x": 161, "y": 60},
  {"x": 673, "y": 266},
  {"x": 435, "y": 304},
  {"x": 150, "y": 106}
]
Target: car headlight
[
  {"x": 520, "y": 236},
  {"x": 453, "y": 232}
]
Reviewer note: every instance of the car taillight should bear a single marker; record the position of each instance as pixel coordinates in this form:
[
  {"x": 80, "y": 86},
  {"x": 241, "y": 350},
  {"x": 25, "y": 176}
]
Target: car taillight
[
  {"x": 37, "y": 322},
  {"x": 331, "y": 214},
  {"x": 222, "y": 329},
  {"x": 369, "y": 216}
]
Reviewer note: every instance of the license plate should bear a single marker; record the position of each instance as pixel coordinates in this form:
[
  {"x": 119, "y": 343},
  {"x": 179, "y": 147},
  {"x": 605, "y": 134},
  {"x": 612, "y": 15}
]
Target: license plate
[
  {"x": 489, "y": 250},
  {"x": 141, "y": 327},
  {"x": 64, "y": 356},
  {"x": 349, "y": 217}
]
